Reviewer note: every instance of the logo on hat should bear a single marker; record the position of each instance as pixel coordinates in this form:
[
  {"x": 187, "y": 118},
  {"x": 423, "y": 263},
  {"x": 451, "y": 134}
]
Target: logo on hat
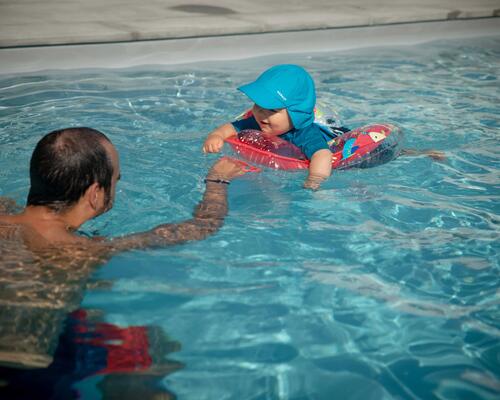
[{"x": 281, "y": 95}]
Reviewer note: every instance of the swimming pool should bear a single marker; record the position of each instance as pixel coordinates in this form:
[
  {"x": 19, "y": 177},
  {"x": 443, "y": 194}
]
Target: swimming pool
[{"x": 384, "y": 284}]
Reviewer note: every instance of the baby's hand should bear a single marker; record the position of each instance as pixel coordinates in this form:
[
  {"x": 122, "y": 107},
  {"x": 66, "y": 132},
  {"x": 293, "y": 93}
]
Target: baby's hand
[
  {"x": 213, "y": 143},
  {"x": 313, "y": 182}
]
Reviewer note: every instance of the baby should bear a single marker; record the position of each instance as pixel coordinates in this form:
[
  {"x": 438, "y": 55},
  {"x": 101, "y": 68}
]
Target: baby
[{"x": 284, "y": 98}]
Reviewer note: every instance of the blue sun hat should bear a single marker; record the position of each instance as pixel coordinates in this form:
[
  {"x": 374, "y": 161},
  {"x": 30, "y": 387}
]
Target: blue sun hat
[{"x": 285, "y": 86}]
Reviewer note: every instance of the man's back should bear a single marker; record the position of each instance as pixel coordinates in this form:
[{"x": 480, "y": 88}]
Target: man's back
[{"x": 40, "y": 283}]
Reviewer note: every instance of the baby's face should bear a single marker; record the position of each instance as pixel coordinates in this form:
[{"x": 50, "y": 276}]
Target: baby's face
[{"x": 273, "y": 122}]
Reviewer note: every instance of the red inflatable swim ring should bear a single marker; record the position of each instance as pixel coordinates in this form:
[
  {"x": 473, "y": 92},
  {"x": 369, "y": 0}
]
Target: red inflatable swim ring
[{"x": 363, "y": 147}]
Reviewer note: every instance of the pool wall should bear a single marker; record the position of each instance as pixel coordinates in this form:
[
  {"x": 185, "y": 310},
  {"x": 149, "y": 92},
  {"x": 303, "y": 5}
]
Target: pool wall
[{"x": 231, "y": 47}]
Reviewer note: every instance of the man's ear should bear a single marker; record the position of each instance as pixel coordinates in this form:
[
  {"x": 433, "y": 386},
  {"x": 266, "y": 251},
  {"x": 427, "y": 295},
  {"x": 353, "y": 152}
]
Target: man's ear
[{"x": 92, "y": 195}]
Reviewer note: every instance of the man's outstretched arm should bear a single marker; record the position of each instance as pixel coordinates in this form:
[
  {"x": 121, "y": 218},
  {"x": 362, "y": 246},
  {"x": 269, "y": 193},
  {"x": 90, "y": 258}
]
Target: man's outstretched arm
[{"x": 208, "y": 215}]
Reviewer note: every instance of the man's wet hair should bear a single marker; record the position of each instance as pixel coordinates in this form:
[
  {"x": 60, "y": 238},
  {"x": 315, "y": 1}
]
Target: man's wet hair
[{"x": 65, "y": 163}]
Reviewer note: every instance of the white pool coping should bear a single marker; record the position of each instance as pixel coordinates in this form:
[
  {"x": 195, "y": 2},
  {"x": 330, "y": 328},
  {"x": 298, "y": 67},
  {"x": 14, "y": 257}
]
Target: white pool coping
[
  {"x": 22, "y": 60},
  {"x": 65, "y": 22}
]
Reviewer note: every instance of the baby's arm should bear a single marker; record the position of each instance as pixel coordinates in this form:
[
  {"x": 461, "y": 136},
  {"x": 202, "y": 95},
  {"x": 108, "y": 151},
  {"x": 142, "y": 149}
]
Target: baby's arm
[
  {"x": 320, "y": 169},
  {"x": 215, "y": 140}
]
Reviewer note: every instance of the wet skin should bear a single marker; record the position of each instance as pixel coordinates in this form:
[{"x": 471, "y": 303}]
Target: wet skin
[{"x": 45, "y": 264}]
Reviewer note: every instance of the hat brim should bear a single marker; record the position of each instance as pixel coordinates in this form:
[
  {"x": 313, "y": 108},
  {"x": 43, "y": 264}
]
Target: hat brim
[{"x": 261, "y": 96}]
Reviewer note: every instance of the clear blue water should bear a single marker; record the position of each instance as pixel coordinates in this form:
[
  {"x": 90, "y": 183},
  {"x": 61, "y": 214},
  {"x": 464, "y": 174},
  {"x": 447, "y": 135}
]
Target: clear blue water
[{"x": 382, "y": 285}]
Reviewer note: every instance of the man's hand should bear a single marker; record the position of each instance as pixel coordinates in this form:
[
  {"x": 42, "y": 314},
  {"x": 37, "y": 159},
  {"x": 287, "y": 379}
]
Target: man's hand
[{"x": 226, "y": 168}]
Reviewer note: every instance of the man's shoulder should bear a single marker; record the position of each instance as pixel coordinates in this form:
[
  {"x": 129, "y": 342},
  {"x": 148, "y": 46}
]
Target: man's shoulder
[
  {"x": 8, "y": 219},
  {"x": 10, "y": 227},
  {"x": 18, "y": 227}
]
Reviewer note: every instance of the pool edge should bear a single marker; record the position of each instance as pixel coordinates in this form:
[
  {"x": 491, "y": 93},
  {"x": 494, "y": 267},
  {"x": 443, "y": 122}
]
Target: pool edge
[{"x": 19, "y": 60}]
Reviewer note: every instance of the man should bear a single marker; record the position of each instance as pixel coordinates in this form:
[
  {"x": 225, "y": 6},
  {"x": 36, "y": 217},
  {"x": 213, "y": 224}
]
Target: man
[
  {"x": 45, "y": 264},
  {"x": 73, "y": 174}
]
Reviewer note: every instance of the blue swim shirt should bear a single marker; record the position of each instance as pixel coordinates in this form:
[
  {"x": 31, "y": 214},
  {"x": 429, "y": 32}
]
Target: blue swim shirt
[{"x": 309, "y": 139}]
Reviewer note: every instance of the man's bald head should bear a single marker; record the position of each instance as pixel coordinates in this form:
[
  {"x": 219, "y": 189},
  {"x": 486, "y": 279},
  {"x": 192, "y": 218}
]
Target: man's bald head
[{"x": 65, "y": 163}]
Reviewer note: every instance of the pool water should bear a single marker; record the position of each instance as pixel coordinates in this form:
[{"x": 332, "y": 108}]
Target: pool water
[{"x": 384, "y": 284}]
